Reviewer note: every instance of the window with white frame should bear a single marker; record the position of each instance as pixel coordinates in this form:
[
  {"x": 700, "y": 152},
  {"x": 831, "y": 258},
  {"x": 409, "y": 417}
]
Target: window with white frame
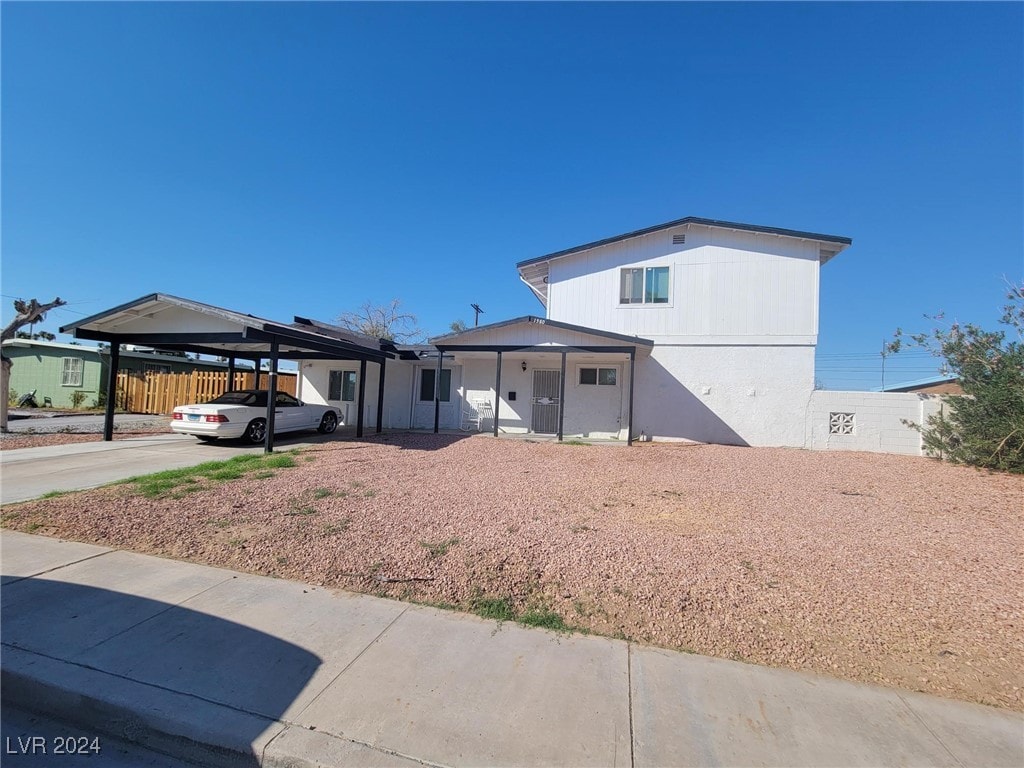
[
  {"x": 444, "y": 393},
  {"x": 72, "y": 371},
  {"x": 342, "y": 386},
  {"x": 602, "y": 377},
  {"x": 643, "y": 285}
]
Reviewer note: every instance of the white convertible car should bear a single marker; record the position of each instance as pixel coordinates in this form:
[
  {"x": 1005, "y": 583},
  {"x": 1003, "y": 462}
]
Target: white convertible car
[{"x": 244, "y": 414}]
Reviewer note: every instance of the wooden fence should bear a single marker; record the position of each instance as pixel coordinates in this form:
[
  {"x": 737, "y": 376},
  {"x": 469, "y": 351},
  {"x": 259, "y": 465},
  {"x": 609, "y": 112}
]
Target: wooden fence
[{"x": 163, "y": 392}]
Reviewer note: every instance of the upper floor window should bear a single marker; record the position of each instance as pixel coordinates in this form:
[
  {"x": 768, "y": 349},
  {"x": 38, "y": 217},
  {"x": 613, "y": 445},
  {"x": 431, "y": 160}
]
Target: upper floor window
[
  {"x": 71, "y": 371},
  {"x": 644, "y": 285}
]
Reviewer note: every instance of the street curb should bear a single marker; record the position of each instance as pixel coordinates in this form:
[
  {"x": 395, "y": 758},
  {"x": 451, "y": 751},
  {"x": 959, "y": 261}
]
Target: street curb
[
  {"x": 157, "y": 719},
  {"x": 172, "y": 723}
]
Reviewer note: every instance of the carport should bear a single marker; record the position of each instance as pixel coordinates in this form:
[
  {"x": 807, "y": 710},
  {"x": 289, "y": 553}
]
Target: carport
[{"x": 174, "y": 324}]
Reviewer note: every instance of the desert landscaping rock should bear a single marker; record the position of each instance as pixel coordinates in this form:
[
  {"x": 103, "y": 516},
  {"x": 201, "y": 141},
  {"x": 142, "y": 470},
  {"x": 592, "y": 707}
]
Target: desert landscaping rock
[{"x": 889, "y": 569}]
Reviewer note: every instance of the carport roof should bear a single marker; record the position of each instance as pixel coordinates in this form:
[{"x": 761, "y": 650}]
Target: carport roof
[{"x": 169, "y": 322}]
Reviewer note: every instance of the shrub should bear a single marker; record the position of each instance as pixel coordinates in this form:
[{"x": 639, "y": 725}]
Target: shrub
[
  {"x": 77, "y": 398},
  {"x": 984, "y": 427}
]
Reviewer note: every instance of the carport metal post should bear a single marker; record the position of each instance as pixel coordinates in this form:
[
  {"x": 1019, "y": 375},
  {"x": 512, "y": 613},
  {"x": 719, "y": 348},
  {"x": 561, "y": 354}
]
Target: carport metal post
[
  {"x": 256, "y": 379},
  {"x": 497, "y": 392},
  {"x": 380, "y": 394},
  {"x": 629, "y": 417},
  {"x": 561, "y": 399},
  {"x": 437, "y": 390},
  {"x": 361, "y": 400},
  {"x": 108, "y": 411},
  {"x": 231, "y": 374},
  {"x": 268, "y": 444}
]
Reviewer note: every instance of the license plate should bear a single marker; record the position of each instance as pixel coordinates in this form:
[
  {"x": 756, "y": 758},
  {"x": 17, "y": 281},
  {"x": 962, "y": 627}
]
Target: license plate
[{"x": 193, "y": 417}]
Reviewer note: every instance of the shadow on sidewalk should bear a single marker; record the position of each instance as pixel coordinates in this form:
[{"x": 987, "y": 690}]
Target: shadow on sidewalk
[{"x": 147, "y": 641}]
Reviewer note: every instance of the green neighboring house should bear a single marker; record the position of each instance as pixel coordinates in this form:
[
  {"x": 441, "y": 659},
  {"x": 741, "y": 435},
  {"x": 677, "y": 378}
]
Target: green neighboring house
[{"x": 56, "y": 370}]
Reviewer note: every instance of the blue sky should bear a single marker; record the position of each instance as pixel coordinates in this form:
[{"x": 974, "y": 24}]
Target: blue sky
[{"x": 289, "y": 159}]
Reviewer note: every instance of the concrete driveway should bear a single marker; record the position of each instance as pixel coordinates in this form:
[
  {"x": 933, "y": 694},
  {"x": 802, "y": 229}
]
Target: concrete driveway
[{"x": 30, "y": 472}]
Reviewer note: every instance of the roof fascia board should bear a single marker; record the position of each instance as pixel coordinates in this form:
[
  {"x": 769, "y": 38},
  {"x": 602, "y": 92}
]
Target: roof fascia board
[
  {"x": 177, "y": 301},
  {"x": 313, "y": 342},
  {"x": 552, "y": 349},
  {"x": 837, "y": 239},
  {"x": 533, "y": 319}
]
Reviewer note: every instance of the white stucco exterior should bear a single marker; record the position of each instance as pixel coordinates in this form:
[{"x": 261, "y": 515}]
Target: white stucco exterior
[
  {"x": 724, "y": 287},
  {"x": 722, "y": 338}
]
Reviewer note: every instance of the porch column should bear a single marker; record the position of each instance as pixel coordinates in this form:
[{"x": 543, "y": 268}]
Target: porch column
[
  {"x": 380, "y": 395},
  {"x": 268, "y": 443},
  {"x": 231, "y": 374},
  {"x": 437, "y": 390},
  {"x": 629, "y": 417},
  {"x": 108, "y": 411},
  {"x": 361, "y": 400},
  {"x": 561, "y": 399},
  {"x": 497, "y": 393}
]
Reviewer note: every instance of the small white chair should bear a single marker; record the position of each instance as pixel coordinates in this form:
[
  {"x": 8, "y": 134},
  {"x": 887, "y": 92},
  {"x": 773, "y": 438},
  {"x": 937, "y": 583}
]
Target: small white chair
[{"x": 473, "y": 416}]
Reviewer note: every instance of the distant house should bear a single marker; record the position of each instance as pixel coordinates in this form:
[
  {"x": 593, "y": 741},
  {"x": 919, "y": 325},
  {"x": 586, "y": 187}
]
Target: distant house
[
  {"x": 946, "y": 386},
  {"x": 56, "y": 370}
]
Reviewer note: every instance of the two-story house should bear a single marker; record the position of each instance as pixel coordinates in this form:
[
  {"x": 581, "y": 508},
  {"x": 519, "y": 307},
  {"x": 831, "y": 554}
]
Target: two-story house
[{"x": 695, "y": 329}]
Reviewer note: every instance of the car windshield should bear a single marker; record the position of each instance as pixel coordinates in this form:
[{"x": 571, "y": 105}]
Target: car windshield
[{"x": 238, "y": 398}]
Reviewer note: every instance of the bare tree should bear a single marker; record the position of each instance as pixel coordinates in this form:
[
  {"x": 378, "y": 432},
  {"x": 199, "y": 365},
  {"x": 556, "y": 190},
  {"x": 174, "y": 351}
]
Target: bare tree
[
  {"x": 383, "y": 322},
  {"x": 28, "y": 313}
]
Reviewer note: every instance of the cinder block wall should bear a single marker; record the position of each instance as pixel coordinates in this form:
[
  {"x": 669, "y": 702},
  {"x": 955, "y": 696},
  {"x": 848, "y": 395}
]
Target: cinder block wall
[{"x": 874, "y": 420}]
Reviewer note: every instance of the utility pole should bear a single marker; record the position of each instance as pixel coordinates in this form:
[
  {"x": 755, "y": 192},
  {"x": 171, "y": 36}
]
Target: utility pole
[
  {"x": 476, "y": 320},
  {"x": 883, "y": 365}
]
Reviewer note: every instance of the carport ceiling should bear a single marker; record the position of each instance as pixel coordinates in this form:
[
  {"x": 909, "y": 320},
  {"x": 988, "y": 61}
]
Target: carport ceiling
[{"x": 171, "y": 323}]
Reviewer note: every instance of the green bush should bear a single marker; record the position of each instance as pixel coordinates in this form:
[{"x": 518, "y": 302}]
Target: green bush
[
  {"x": 983, "y": 427},
  {"x": 12, "y": 396},
  {"x": 77, "y": 398}
]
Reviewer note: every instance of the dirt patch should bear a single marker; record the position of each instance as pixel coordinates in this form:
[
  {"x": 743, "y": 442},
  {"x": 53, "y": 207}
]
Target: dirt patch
[{"x": 886, "y": 569}]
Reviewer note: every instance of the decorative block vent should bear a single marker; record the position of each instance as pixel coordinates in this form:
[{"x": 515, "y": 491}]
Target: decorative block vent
[
  {"x": 840, "y": 423},
  {"x": 678, "y": 239}
]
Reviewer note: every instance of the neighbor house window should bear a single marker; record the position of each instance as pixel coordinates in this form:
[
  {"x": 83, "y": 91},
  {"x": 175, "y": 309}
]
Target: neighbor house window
[
  {"x": 153, "y": 368},
  {"x": 644, "y": 285},
  {"x": 599, "y": 376},
  {"x": 342, "y": 386},
  {"x": 427, "y": 385},
  {"x": 71, "y": 374}
]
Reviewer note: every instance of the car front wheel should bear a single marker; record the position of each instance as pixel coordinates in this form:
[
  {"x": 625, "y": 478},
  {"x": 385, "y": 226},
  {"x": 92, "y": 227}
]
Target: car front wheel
[
  {"x": 256, "y": 432},
  {"x": 328, "y": 423}
]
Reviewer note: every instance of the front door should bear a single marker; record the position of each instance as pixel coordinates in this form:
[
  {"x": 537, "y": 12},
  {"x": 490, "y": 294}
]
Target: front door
[
  {"x": 423, "y": 398},
  {"x": 546, "y": 386}
]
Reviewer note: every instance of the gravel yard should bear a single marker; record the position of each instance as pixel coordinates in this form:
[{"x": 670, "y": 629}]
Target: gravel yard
[{"x": 887, "y": 569}]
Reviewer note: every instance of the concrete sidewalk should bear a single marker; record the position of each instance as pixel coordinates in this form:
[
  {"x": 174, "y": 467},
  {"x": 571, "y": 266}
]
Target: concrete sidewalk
[
  {"x": 28, "y": 473},
  {"x": 231, "y": 669}
]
